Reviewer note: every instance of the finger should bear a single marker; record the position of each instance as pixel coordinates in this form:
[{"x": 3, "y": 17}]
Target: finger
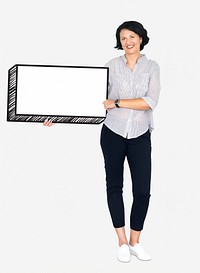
[
  {"x": 50, "y": 123},
  {"x": 47, "y": 122}
]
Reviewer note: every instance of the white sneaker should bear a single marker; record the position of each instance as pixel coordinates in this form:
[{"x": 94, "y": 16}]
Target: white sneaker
[
  {"x": 138, "y": 251},
  {"x": 124, "y": 254}
]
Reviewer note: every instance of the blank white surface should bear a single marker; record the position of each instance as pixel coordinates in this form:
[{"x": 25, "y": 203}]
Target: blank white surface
[{"x": 61, "y": 91}]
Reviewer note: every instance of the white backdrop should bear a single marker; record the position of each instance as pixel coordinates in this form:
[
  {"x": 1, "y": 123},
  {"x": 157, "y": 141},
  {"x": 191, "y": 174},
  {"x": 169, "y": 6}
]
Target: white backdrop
[{"x": 53, "y": 211}]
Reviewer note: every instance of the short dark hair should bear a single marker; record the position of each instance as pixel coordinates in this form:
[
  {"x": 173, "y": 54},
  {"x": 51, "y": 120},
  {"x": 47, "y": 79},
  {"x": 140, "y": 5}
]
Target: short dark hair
[{"x": 135, "y": 27}]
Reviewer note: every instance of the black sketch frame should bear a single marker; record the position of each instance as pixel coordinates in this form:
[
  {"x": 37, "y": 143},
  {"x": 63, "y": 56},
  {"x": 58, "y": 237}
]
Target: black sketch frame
[{"x": 12, "y": 116}]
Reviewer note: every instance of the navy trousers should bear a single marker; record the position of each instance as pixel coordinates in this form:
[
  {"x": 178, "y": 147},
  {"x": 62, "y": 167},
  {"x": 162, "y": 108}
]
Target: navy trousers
[{"x": 115, "y": 149}]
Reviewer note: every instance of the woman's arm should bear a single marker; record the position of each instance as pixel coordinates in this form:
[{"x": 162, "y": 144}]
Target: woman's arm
[
  {"x": 136, "y": 104},
  {"x": 149, "y": 101}
]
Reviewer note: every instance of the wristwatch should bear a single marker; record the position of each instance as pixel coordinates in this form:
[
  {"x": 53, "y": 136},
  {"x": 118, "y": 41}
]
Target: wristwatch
[{"x": 117, "y": 103}]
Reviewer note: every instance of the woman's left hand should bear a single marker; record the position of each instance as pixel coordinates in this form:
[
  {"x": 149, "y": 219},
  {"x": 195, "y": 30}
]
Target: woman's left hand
[{"x": 109, "y": 104}]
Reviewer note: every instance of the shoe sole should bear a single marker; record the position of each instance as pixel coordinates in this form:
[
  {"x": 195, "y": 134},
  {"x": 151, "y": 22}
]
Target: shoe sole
[
  {"x": 124, "y": 261},
  {"x": 139, "y": 258}
]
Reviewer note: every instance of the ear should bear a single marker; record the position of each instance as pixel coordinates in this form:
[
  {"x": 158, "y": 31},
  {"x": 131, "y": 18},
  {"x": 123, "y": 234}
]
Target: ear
[{"x": 140, "y": 40}]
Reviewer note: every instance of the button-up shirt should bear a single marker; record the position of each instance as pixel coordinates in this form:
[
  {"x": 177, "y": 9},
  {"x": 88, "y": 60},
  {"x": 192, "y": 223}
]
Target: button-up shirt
[{"x": 125, "y": 83}]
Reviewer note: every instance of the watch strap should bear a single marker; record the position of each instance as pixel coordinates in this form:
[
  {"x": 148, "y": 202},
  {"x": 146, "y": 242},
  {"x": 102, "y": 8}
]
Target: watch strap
[{"x": 117, "y": 103}]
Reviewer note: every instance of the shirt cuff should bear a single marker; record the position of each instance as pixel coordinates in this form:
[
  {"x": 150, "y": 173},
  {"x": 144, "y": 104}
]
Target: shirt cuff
[{"x": 152, "y": 103}]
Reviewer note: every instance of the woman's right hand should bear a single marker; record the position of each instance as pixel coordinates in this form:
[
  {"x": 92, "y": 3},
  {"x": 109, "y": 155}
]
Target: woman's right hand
[{"x": 48, "y": 122}]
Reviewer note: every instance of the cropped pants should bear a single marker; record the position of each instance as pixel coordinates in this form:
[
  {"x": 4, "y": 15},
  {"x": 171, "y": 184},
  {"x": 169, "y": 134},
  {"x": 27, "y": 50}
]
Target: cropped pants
[{"x": 115, "y": 149}]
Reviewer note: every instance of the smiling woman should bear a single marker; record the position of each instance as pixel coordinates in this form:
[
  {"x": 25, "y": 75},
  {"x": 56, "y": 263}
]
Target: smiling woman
[
  {"x": 130, "y": 42},
  {"x": 133, "y": 29},
  {"x": 134, "y": 86}
]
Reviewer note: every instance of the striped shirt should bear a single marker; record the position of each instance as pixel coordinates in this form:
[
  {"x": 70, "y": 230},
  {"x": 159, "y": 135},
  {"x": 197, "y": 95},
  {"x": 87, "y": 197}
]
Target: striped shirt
[{"x": 124, "y": 83}]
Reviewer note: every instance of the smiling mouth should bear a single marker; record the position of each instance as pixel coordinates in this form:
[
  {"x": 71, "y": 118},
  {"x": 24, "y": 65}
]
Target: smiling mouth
[{"x": 129, "y": 47}]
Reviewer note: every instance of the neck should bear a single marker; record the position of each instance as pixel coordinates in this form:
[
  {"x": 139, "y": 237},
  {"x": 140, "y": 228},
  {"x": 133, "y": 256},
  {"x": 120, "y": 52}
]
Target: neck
[{"x": 132, "y": 58}]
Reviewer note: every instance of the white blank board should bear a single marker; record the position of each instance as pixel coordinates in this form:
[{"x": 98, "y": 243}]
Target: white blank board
[{"x": 62, "y": 93}]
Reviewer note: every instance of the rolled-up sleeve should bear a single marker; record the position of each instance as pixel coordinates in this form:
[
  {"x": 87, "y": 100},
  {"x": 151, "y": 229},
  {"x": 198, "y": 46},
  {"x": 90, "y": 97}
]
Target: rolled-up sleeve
[{"x": 152, "y": 95}]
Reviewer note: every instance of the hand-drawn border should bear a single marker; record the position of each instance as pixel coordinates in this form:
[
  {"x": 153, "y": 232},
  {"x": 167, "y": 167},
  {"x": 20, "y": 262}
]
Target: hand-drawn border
[{"x": 12, "y": 116}]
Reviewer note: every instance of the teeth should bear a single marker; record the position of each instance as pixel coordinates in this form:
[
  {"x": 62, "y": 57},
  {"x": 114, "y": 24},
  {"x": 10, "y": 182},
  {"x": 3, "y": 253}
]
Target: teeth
[{"x": 130, "y": 46}]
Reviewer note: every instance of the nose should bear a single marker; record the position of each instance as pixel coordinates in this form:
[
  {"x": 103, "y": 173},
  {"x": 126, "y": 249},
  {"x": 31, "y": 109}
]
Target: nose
[{"x": 128, "y": 42}]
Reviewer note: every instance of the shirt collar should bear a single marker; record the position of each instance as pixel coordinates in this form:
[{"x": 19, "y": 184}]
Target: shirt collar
[{"x": 140, "y": 60}]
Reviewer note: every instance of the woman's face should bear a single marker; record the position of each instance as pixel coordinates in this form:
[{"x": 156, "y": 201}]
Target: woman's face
[{"x": 130, "y": 41}]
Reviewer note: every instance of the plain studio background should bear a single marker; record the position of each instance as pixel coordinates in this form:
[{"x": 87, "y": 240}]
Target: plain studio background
[{"x": 53, "y": 211}]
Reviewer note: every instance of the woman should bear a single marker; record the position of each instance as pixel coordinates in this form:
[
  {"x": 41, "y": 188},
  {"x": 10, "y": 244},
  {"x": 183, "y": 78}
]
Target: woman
[{"x": 134, "y": 86}]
